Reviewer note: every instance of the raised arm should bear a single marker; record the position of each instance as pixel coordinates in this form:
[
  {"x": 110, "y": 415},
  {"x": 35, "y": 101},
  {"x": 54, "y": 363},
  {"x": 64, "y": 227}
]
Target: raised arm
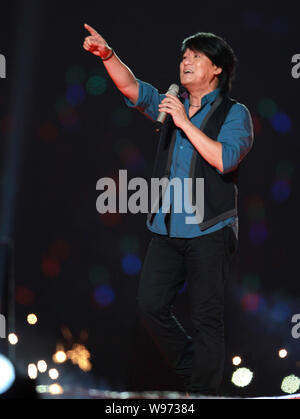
[{"x": 120, "y": 74}]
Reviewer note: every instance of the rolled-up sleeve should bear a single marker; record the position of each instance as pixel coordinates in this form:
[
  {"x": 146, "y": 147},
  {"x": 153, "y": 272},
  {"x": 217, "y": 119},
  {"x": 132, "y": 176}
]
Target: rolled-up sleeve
[
  {"x": 148, "y": 100},
  {"x": 236, "y": 136}
]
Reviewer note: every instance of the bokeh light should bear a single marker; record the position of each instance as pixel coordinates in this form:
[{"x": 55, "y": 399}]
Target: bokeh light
[
  {"x": 104, "y": 295},
  {"x": 32, "y": 319},
  {"x": 251, "y": 283},
  {"x": 242, "y": 377},
  {"x": 13, "y": 339},
  {"x": 281, "y": 122},
  {"x": 96, "y": 85},
  {"x": 281, "y": 312},
  {"x": 56, "y": 389},
  {"x": 75, "y": 94},
  {"x": 59, "y": 357},
  {"x": 24, "y": 295},
  {"x": 53, "y": 374},
  {"x": 282, "y": 353},
  {"x": 258, "y": 233},
  {"x": 50, "y": 267},
  {"x": 290, "y": 384},
  {"x": 281, "y": 190},
  {"x": 7, "y": 374},
  {"x": 42, "y": 366},
  {"x": 267, "y": 108},
  {"x": 79, "y": 355},
  {"x": 32, "y": 371},
  {"x": 252, "y": 302},
  {"x": 236, "y": 360},
  {"x": 131, "y": 264}
]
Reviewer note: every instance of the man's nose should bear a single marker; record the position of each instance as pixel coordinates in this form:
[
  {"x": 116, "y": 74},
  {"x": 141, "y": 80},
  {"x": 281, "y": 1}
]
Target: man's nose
[{"x": 188, "y": 60}]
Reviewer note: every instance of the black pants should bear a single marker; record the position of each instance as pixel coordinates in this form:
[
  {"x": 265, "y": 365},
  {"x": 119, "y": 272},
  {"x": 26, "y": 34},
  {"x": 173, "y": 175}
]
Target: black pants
[{"x": 205, "y": 260}]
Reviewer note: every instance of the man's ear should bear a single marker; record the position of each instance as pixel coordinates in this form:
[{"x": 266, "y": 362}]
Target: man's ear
[{"x": 218, "y": 70}]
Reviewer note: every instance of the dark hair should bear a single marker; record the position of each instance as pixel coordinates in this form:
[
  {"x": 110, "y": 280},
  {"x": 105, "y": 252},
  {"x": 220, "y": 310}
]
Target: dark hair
[{"x": 218, "y": 51}]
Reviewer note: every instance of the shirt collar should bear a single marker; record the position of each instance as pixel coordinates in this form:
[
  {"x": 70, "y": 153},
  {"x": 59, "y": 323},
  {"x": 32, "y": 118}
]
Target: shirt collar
[{"x": 209, "y": 98}]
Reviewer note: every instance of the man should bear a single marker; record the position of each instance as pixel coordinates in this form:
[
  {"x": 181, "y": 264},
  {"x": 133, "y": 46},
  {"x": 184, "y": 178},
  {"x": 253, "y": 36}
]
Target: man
[{"x": 206, "y": 136}]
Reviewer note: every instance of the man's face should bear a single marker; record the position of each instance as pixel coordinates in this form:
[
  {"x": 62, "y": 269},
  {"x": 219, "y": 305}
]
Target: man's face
[{"x": 198, "y": 71}]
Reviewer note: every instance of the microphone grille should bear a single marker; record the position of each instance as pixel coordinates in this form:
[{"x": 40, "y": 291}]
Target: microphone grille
[{"x": 173, "y": 89}]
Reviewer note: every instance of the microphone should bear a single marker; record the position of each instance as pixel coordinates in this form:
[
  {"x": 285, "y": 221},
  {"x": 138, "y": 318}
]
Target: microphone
[{"x": 173, "y": 90}]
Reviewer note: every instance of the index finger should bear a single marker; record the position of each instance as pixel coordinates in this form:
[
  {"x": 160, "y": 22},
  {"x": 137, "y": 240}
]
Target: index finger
[{"x": 90, "y": 29}]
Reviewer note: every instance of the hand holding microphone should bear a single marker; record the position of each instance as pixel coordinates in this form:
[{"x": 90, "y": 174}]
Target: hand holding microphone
[
  {"x": 173, "y": 90},
  {"x": 173, "y": 106}
]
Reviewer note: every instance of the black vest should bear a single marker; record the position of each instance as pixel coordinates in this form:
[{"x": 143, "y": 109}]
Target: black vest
[{"x": 220, "y": 190}]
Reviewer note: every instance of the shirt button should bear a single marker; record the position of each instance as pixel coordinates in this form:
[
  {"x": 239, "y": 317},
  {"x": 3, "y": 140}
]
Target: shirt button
[{"x": 181, "y": 147}]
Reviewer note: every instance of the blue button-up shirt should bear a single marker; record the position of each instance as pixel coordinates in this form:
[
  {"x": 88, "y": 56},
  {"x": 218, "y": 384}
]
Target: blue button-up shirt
[{"x": 236, "y": 137}]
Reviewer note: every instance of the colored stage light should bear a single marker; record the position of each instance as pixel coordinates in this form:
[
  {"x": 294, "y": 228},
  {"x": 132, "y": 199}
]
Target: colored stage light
[
  {"x": 290, "y": 384},
  {"x": 96, "y": 85},
  {"x": 50, "y": 267},
  {"x": 53, "y": 374},
  {"x": 251, "y": 283},
  {"x": 32, "y": 371},
  {"x": 236, "y": 360},
  {"x": 75, "y": 94},
  {"x": 282, "y": 353},
  {"x": 267, "y": 108},
  {"x": 59, "y": 357},
  {"x": 251, "y": 302},
  {"x": 281, "y": 312},
  {"x": 42, "y": 366},
  {"x": 131, "y": 264},
  {"x": 13, "y": 339},
  {"x": 242, "y": 377},
  {"x": 258, "y": 233},
  {"x": 281, "y": 190},
  {"x": 281, "y": 123},
  {"x": 104, "y": 295},
  {"x": 56, "y": 389},
  {"x": 32, "y": 319},
  {"x": 7, "y": 374}
]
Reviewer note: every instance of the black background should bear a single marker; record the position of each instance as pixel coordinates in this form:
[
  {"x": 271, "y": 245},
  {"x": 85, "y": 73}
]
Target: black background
[{"x": 50, "y": 166}]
